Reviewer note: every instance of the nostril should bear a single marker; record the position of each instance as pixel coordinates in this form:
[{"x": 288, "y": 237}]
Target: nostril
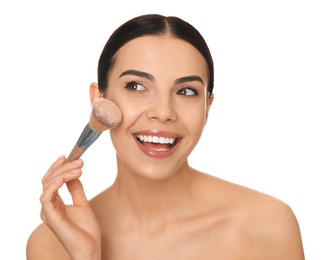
[{"x": 162, "y": 112}]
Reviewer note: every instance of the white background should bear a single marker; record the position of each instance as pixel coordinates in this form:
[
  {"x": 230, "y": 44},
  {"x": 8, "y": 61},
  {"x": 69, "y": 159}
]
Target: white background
[{"x": 266, "y": 130}]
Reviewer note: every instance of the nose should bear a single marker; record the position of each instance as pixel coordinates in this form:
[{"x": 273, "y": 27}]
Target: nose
[{"x": 162, "y": 108}]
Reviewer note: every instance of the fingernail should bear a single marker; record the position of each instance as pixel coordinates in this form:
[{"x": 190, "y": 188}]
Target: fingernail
[
  {"x": 58, "y": 180},
  {"x": 78, "y": 161},
  {"x": 60, "y": 157},
  {"x": 76, "y": 171}
]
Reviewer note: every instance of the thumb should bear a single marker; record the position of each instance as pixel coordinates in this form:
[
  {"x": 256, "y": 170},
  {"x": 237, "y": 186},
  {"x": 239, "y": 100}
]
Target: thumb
[{"x": 76, "y": 189}]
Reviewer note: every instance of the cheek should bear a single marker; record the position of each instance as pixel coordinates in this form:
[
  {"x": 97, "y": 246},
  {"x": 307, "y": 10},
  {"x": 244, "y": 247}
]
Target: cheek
[
  {"x": 193, "y": 111},
  {"x": 129, "y": 107},
  {"x": 193, "y": 118},
  {"x": 196, "y": 123},
  {"x": 131, "y": 113},
  {"x": 131, "y": 110}
]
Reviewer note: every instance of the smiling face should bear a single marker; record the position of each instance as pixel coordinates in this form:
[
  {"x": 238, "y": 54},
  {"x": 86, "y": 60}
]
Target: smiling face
[{"x": 160, "y": 84}]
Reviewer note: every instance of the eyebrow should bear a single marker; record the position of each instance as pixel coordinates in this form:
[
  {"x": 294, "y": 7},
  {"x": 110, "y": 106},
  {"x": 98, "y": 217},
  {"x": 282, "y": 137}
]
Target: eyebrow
[
  {"x": 151, "y": 77},
  {"x": 138, "y": 74},
  {"x": 189, "y": 79}
]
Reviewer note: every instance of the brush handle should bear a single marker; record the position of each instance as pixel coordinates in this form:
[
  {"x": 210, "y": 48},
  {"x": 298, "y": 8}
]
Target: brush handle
[
  {"x": 87, "y": 137},
  {"x": 75, "y": 154}
]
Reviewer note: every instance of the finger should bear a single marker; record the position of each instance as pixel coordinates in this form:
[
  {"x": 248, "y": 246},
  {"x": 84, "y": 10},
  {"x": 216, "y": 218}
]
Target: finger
[
  {"x": 58, "y": 205},
  {"x": 50, "y": 188},
  {"x": 49, "y": 201},
  {"x": 61, "y": 165},
  {"x": 61, "y": 169},
  {"x": 55, "y": 165},
  {"x": 76, "y": 189},
  {"x": 51, "y": 191},
  {"x": 66, "y": 176}
]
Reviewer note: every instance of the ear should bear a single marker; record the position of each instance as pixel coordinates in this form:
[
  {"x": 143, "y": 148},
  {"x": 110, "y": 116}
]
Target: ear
[
  {"x": 210, "y": 100},
  {"x": 94, "y": 92}
]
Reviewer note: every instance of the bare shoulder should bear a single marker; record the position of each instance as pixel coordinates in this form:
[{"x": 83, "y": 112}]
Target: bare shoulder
[
  {"x": 43, "y": 244},
  {"x": 272, "y": 228},
  {"x": 264, "y": 226}
]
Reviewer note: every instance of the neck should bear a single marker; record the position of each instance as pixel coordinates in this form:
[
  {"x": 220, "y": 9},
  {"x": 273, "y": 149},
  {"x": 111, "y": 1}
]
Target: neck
[{"x": 155, "y": 201}]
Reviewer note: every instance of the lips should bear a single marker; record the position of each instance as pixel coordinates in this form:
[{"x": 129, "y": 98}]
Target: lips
[{"x": 159, "y": 145}]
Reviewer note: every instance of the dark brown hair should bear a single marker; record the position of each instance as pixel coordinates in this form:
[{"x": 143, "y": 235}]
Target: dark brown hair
[{"x": 151, "y": 24}]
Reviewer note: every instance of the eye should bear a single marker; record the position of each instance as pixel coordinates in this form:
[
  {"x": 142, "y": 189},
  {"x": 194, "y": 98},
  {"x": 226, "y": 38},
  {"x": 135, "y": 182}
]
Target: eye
[
  {"x": 134, "y": 86},
  {"x": 187, "y": 91}
]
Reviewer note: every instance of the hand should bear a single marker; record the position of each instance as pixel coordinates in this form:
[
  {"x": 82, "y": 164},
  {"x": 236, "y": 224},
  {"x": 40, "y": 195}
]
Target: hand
[{"x": 74, "y": 225}]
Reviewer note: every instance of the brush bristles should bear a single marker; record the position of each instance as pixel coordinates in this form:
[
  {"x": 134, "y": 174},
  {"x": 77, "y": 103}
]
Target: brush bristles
[{"x": 105, "y": 115}]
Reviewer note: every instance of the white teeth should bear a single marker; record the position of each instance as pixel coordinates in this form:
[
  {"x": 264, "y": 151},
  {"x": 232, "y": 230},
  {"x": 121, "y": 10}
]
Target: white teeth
[
  {"x": 159, "y": 150},
  {"x": 156, "y": 139}
]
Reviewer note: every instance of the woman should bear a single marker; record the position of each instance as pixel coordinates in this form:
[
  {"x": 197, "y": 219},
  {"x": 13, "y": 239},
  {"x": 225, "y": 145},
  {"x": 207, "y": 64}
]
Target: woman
[{"x": 159, "y": 71}]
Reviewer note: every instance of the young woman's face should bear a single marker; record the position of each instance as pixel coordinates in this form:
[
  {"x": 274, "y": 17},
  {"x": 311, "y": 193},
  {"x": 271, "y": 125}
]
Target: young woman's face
[{"x": 160, "y": 84}]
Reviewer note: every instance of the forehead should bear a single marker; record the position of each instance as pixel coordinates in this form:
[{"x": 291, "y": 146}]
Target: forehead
[{"x": 161, "y": 54}]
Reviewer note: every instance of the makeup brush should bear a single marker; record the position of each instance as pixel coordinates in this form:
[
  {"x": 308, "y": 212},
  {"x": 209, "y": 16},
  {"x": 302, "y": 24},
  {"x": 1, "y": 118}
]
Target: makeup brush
[{"x": 105, "y": 115}]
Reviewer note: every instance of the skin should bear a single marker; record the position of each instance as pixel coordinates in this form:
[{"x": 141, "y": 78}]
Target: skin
[{"x": 159, "y": 207}]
